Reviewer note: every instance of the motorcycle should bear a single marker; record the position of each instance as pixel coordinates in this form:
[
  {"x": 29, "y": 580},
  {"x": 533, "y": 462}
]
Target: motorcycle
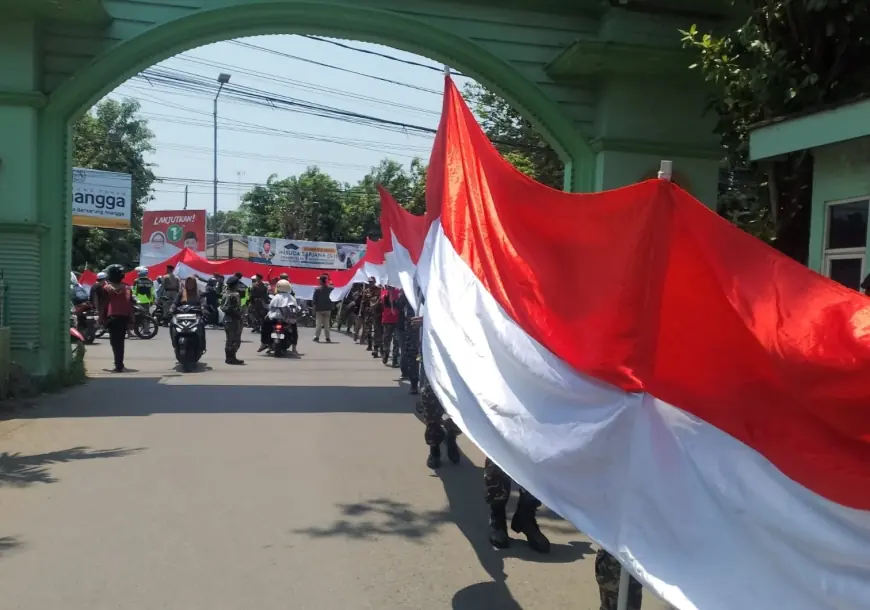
[
  {"x": 161, "y": 311},
  {"x": 187, "y": 331},
  {"x": 87, "y": 322},
  {"x": 281, "y": 334},
  {"x": 144, "y": 324},
  {"x": 76, "y": 342}
]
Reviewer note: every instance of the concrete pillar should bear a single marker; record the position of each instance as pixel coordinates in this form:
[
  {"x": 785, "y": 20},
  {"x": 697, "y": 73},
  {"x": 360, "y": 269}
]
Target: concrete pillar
[
  {"x": 639, "y": 122},
  {"x": 33, "y": 247}
]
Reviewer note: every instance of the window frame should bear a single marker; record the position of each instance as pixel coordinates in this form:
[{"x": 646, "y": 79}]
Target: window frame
[{"x": 826, "y": 250}]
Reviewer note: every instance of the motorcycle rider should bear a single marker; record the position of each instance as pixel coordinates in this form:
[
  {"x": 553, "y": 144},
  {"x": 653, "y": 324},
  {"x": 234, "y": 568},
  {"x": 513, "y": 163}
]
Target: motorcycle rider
[
  {"x": 143, "y": 288},
  {"x": 116, "y": 312},
  {"x": 282, "y": 307},
  {"x": 189, "y": 296},
  {"x": 97, "y": 291}
]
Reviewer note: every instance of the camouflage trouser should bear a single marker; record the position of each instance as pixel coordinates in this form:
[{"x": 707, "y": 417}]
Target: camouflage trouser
[
  {"x": 233, "y": 329},
  {"x": 357, "y": 326},
  {"x": 344, "y": 317},
  {"x": 377, "y": 333},
  {"x": 367, "y": 323},
  {"x": 391, "y": 342},
  {"x": 410, "y": 350},
  {"x": 437, "y": 428},
  {"x": 607, "y": 571},
  {"x": 498, "y": 487}
]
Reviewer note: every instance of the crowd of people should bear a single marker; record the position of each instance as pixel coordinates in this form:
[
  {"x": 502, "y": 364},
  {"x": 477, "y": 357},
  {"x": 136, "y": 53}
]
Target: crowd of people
[{"x": 383, "y": 320}]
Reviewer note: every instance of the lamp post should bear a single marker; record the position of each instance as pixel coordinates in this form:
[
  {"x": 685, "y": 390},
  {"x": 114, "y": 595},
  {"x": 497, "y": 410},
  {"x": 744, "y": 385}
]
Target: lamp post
[{"x": 223, "y": 79}]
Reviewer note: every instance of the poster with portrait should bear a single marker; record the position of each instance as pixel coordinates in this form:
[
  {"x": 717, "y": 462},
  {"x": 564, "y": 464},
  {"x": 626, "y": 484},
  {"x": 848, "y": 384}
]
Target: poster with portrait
[
  {"x": 300, "y": 253},
  {"x": 165, "y": 233}
]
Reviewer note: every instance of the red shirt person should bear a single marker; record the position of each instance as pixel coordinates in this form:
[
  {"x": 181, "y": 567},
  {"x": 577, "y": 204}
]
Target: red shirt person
[{"x": 389, "y": 320}]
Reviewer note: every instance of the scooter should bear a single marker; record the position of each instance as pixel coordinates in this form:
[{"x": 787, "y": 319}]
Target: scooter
[
  {"x": 187, "y": 332},
  {"x": 281, "y": 330},
  {"x": 86, "y": 321},
  {"x": 76, "y": 341},
  {"x": 144, "y": 324}
]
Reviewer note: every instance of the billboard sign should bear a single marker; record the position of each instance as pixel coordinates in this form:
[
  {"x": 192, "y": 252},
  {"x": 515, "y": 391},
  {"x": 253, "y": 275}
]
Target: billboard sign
[
  {"x": 299, "y": 253},
  {"x": 101, "y": 199},
  {"x": 165, "y": 233}
]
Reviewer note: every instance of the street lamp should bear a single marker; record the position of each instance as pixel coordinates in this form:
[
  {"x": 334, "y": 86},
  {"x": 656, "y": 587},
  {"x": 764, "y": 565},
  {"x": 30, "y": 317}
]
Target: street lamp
[{"x": 223, "y": 79}]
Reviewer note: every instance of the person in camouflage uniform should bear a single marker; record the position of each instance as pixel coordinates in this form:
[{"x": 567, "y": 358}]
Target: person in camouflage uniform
[
  {"x": 410, "y": 366},
  {"x": 498, "y": 492},
  {"x": 367, "y": 312},
  {"x": 438, "y": 429},
  {"x": 376, "y": 311},
  {"x": 231, "y": 305},
  {"x": 607, "y": 570}
]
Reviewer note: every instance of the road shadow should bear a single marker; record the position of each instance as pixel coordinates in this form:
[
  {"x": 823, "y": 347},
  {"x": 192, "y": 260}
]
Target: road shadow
[
  {"x": 8, "y": 544},
  {"x": 199, "y": 367},
  {"x": 467, "y": 510},
  {"x": 122, "y": 395},
  {"x": 17, "y": 470}
]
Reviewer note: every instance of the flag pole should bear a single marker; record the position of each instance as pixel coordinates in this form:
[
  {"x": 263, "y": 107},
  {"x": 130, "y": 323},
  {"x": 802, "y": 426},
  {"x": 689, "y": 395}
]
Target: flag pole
[
  {"x": 666, "y": 170},
  {"x": 446, "y": 70},
  {"x": 622, "y": 598}
]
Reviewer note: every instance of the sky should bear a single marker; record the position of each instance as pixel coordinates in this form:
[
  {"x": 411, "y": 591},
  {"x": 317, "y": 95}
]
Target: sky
[{"x": 253, "y": 138}]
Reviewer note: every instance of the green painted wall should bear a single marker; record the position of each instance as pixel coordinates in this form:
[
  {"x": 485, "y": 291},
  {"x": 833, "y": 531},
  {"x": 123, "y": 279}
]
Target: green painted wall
[{"x": 840, "y": 171}]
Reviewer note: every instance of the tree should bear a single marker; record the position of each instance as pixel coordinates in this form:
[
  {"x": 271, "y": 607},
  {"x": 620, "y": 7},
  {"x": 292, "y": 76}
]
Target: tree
[
  {"x": 788, "y": 57},
  {"x": 230, "y": 221},
  {"x": 515, "y": 137},
  {"x": 307, "y": 206},
  {"x": 112, "y": 137}
]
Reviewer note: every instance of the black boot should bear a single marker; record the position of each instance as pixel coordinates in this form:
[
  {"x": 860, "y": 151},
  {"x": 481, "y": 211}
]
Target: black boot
[
  {"x": 374, "y": 352},
  {"x": 524, "y": 522},
  {"x": 434, "y": 459},
  {"x": 235, "y": 359},
  {"x": 453, "y": 453},
  {"x": 498, "y": 535},
  {"x": 229, "y": 356},
  {"x": 369, "y": 346}
]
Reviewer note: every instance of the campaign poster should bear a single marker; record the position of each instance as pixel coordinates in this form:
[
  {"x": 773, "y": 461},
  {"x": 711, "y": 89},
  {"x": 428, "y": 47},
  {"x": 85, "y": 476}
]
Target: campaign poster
[
  {"x": 165, "y": 233},
  {"x": 101, "y": 199},
  {"x": 299, "y": 253}
]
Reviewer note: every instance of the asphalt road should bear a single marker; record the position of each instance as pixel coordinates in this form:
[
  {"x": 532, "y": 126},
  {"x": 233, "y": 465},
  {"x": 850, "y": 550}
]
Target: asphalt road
[{"x": 291, "y": 483}]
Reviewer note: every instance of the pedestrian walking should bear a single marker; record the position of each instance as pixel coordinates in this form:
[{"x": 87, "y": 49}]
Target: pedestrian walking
[
  {"x": 116, "y": 312},
  {"x": 389, "y": 322},
  {"x": 322, "y": 308}
]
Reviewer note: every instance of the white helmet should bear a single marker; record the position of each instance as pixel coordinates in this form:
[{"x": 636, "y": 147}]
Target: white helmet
[
  {"x": 283, "y": 286},
  {"x": 253, "y": 278},
  {"x": 101, "y": 275}
]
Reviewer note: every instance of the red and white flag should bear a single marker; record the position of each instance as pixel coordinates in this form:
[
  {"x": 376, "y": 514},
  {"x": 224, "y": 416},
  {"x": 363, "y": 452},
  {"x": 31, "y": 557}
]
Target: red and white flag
[
  {"x": 403, "y": 236},
  {"x": 694, "y": 401}
]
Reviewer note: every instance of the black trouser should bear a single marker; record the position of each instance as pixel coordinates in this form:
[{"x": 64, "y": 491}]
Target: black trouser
[{"x": 117, "y": 327}]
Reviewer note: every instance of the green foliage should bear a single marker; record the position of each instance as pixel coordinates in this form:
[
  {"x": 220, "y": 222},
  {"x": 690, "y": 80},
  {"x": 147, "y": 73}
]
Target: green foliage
[
  {"x": 316, "y": 207},
  {"x": 515, "y": 137},
  {"x": 788, "y": 57},
  {"x": 229, "y": 221},
  {"x": 112, "y": 137}
]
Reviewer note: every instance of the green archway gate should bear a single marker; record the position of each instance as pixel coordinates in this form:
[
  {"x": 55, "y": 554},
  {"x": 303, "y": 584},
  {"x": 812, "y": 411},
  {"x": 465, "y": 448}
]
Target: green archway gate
[{"x": 588, "y": 77}]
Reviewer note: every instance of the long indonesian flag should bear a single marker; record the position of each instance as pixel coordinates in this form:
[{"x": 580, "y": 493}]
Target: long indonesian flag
[
  {"x": 694, "y": 401},
  {"x": 403, "y": 234}
]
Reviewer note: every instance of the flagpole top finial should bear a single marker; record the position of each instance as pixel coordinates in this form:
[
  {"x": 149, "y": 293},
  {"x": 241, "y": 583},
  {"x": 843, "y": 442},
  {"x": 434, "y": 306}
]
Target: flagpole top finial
[
  {"x": 446, "y": 70},
  {"x": 666, "y": 170}
]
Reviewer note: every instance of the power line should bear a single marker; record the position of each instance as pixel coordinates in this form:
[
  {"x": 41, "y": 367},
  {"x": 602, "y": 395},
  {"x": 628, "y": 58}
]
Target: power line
[
  {"x": 325, "y": 65},
  {"x": 377, "y": 54},
  {"x": 262, "y": 157},
  {"x": 314, "y": 88}
]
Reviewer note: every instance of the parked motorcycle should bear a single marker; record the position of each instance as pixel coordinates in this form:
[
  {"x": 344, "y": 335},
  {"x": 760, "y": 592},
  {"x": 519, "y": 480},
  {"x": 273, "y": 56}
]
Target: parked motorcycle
[
  {"x": 144, "y": 324},
  {"x": 76, "y": 343},
  {"x": 187, "y": 331},
  {"x": 86, "y": 320}
]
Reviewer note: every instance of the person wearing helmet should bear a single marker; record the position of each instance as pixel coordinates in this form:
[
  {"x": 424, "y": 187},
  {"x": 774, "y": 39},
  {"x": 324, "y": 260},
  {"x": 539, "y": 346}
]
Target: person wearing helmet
[
  {"x": 116, "y": 312},
  {"x": 143, "y": 288},
  {"x": 259, "y": 302},
  {"x": 97, "y": 291},
  {"x": 231, "y": 305},
  {"x": 282, "y": 307}
]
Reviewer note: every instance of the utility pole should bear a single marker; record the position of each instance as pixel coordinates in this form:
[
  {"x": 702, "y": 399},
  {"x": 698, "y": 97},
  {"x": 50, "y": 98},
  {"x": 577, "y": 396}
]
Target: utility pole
[
  {"x": 185, "y": 196},
  {"x": 223, "y": 79}
]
